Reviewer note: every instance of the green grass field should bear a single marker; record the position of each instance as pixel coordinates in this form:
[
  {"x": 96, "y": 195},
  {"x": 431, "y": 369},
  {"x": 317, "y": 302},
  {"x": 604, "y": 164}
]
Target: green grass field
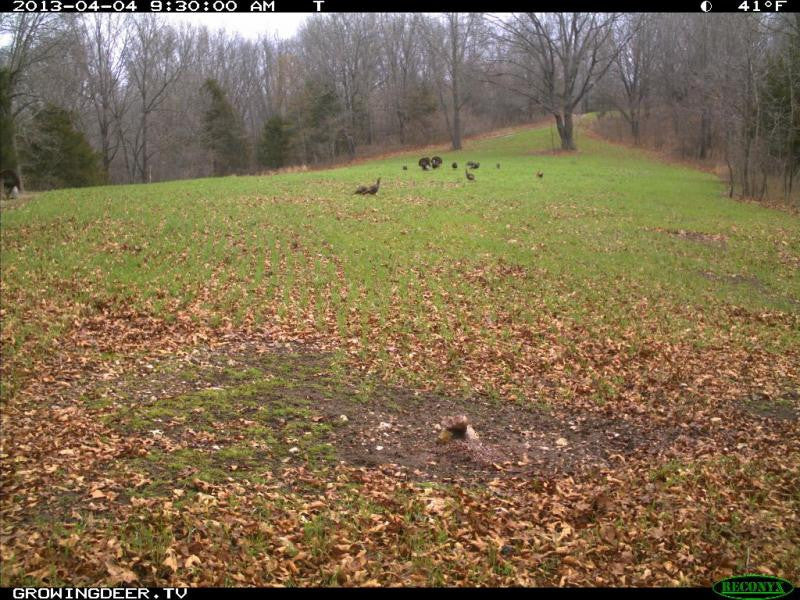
[{"x": 176, "y": 357}]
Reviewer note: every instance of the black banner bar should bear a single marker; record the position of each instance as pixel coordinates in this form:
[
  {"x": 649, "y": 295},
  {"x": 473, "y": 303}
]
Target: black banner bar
[
  {"x": 233, "y": 593},
  {"x": 330, "y": 6},
  {"x": 154, "y": 593}
]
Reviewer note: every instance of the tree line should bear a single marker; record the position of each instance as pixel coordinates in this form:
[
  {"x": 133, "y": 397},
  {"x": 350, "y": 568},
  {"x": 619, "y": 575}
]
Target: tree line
[{"x": 113, "y": 98}]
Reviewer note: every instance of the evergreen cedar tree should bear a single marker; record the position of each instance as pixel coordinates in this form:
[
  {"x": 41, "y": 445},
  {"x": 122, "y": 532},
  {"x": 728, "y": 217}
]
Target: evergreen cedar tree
[
  {"x": 58, "y": 155},
  {"x": 273, "y": 147},
  {"x": 224, "y": 133}
]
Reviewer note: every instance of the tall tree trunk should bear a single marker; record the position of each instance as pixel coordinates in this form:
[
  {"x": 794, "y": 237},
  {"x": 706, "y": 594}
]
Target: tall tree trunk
[
  {"x": 144, "y": 147},
  {"x": 456, "y": 127},
  {"x": 446, "y": 113},
  {"x": 565, "y": 130},
  {"x": 106, "y": 146},
  {"x": 705, "y": 134},
  {"x": 635, "y": 127},
  {"x": 746, "y": 168},
  {"x": 731, "y": 176},
  {"x": 16, "y": 169},
  {"x": 402, "y": 125},
  {"x": 456, "y": 97}
]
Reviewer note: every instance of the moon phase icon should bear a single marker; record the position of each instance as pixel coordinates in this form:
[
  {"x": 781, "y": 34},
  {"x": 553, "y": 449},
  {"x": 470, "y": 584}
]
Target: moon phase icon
[{"x": 705, "y": 6}]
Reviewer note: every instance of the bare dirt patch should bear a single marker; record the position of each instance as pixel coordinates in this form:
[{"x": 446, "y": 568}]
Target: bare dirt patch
[
  {"x": 736, "y": 279},
  {"x": 751, "y": 282},
  {"x": 712, "y": 239},
  {"x": 370, "y": 423},
  {"x": 401, "y": 427},
  {"x": 784, "y": 406},
  {"x": 293, "y": 392}
]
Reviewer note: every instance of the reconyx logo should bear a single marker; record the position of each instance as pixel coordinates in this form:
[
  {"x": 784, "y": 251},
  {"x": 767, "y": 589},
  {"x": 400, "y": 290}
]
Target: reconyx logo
[{"x": 753, "y": 587}]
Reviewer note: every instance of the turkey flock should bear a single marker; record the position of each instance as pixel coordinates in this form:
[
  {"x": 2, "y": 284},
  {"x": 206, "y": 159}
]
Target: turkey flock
[{"x": 429, "y": 164}]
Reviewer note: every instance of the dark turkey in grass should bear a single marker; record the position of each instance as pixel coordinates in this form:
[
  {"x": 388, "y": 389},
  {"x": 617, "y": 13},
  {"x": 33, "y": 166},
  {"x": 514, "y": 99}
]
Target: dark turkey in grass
[
  {"x": 469, "y": 175},
  {"x": 455, "y": 165},
  {"x": 425, "y": 163},
  {"x": 539, "y": 174},
  {"x": 473, "y": 165},
  {"x": 370, "y": 190},
  {"x": 436, "y": 162}
]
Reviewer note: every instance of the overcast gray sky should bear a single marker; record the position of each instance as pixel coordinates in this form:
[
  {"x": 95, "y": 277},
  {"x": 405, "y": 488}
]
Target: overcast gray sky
[{"x": 249, "y": 25}]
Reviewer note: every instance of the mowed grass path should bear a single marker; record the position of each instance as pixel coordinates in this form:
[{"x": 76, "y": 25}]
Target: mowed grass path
[{"x": 615, "y": 284}]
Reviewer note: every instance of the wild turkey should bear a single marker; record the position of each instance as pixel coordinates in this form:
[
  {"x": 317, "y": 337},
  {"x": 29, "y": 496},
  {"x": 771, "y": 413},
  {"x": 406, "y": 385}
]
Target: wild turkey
[
  {"x": 469, "y": 175},
  {"x": 373, "y": 189},
  {"x": 473, "y": 165},
  {"x": 436, "y": 162},
  {"x": 498, "y": 165},
  {"x": 405, "y": 168},
  {"x": 425, "y": 163},
  {"x": 368, "y": 189},
  {"x": 455, "y": 165},
  {"x": 540, "y": 174}
]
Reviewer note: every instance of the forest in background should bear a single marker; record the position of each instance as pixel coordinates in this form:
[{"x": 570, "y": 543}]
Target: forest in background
[{"x": 87, "y": 99}]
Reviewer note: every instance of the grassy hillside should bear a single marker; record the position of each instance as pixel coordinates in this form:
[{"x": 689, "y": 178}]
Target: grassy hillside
[{"x": 625, "y": 337}]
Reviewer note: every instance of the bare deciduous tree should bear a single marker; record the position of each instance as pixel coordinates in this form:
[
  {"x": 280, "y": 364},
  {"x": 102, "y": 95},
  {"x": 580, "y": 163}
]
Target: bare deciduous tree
[
  {"x": 451, "y": 41},
  {"x": 400, "y": 65},
  {"x": 157, "y": 57},
  {"x": 104, "y": 40},
  {"x": 558, "y": 58},
  {"x": 343, "y": 49},
  {"x": 633, "y": 66}
]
